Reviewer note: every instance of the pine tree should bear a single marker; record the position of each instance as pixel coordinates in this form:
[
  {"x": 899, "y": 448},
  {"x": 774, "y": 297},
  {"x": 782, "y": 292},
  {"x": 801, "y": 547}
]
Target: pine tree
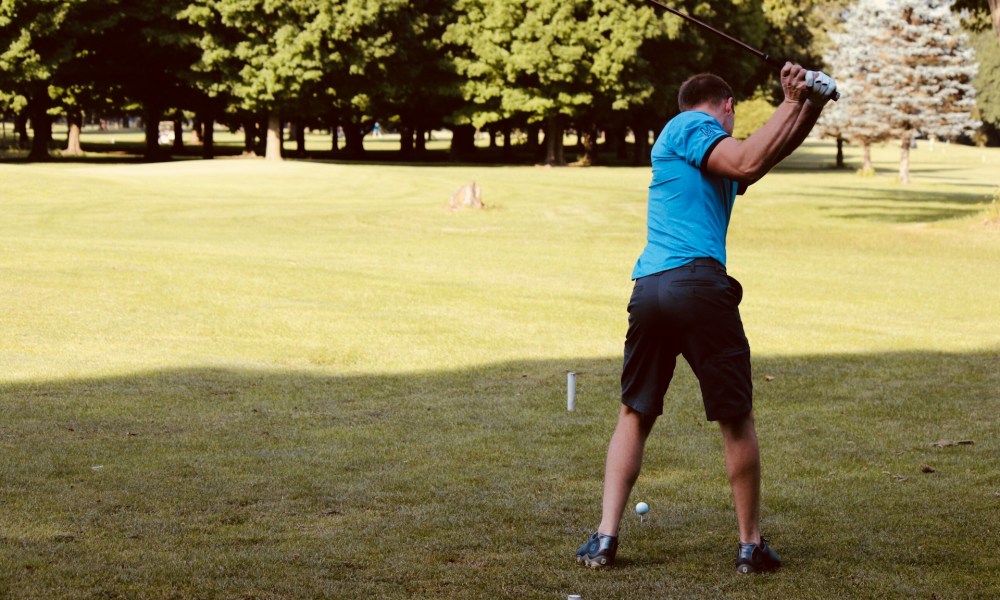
[
  {"x": 859, "y": 116},
  {"x": 905, "y": 69}
]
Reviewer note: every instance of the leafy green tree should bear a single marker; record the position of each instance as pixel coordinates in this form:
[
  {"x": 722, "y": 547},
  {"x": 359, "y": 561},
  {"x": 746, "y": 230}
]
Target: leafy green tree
[
  {"x": 677, "y": 50},
  {"x": 263, "y": 54},
  {"x": 981, "y": 17},
  {"x": 420, "y": 86},
  {"x": 362, "y": 55},
  {"x": 590, "y": 61},
  {"x": 481, "y": 38},
  {"x": 790, "y": 27},
  {"x": 539, "y": 60},
  {"x": 35, "y": 47},
  {"x": 522, "y": 60},
  {"x": 754, "y": 113},
  {"x": 140, "y": 53},
  {"x": 623, "y": 78},
  {"x": 984, "y": 22},
  {"x": 71, "y": 56},
  {"x": 987, "y": 82}
]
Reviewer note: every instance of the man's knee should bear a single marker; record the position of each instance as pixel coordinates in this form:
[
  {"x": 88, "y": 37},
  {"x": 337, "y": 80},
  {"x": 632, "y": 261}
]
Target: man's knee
[
  {"x": 738, "y": 427},
  {"x": 633, "y": 418}
]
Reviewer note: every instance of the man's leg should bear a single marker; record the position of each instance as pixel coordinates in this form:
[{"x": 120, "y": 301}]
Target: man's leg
[
  {"x": 622, "y": 466},
  {"x": 739, "y": 436},
  {"x": 743, "y": 467}
]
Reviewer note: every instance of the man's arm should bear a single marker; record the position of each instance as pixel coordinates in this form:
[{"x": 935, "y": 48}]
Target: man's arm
[
  {"x": 808, "y": 116},
  {"x": 820, "y": 89},
  {"x": 791, "y": 122}
]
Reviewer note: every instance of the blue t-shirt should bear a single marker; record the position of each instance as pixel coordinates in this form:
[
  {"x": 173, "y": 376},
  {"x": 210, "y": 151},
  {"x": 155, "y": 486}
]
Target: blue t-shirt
[{"x": 689, "y": 209}]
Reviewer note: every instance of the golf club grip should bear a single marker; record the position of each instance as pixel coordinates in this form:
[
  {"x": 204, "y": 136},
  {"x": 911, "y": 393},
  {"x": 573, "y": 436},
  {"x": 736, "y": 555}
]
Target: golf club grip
[{"x": 779, "y": 63}]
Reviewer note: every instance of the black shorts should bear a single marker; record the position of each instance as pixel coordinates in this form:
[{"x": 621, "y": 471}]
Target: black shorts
[{"x": 692, "y": 311}]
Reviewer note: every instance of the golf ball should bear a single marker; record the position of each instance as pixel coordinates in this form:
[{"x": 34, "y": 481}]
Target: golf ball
[{"x": 641, "y": 508}]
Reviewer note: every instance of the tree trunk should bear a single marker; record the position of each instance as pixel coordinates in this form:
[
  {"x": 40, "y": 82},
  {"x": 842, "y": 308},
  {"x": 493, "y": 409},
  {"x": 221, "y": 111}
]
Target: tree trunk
[
  {"x": 840, "y": 152},
  {"x": 151, "y": 118},
  {"x": 300, "y": 138},
  {"x": 995, "y": 14},
  {"x": 41, "y": 125},
  {"x": 589, "y": 141},
  {"x": 421, "y": 140},
  {"x": 406, "y": 140},
  {"x": 335, "y": 138},
  {"x": 21, "y": 129},
  {"x": 273, "y": 150},
  {"x": 463, "y": 141},
  {"x": 196, "y": 138},
  {"x": 904, "y": 159},
  {"x": 532, "y": 143},
  {"x": 249, "y": 137},
  {"x": 641, "y": 147},
  {"x": 554, "y": 155},
  {"x": 617, "y": 134},
  {"x": 208, "y": 138},
  {"x": 178, "y": 132},
  {"x": 866, "y": 159},
  {"x": 74, "y": 120},
  {"x": 354, "y": 139}
]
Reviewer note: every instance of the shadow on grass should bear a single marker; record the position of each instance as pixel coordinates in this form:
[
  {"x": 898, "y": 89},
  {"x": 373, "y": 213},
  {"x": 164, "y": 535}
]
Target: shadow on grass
[
  {"x": 907, "y": 206},
  {"x": 821, "y": 157},
  {"x": 477, "y": 482},
  {"x": 131, "y": 153},
  {"x": 374, "y": 154}
]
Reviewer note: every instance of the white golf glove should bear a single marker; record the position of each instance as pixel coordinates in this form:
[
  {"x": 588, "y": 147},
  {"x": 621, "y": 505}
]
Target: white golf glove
[{"x": 821, "y": 86}]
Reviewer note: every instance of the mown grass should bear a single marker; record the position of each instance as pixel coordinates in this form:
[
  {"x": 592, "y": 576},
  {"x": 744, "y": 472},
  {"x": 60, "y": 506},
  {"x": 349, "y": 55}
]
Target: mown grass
[{"x": 235, "y": 379}]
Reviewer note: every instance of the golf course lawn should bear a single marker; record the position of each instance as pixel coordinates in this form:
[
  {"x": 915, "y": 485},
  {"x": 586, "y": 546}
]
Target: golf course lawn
[{"x": 249, "y": 379}]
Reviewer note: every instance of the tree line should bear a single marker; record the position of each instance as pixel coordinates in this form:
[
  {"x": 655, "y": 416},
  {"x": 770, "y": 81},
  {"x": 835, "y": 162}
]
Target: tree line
[{"x": 502, "y": 65}]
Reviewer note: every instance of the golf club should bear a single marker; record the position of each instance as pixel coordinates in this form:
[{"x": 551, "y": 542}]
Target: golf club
[{"x": 777, "y": 63}]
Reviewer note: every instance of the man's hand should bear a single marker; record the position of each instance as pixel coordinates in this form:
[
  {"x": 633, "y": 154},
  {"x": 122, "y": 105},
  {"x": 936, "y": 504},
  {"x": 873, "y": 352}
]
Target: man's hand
[
  {"x": 793, "y": 83},
  {"x": 821, "y": 87}
]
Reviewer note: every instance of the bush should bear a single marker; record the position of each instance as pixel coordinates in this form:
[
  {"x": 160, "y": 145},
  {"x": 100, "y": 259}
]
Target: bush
[
  {"x": 751, "y": 115},
  {"x": 992, "y": 212}
]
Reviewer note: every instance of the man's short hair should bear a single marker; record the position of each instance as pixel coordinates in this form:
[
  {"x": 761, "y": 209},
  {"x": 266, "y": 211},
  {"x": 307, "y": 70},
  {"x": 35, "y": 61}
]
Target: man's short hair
[{"x": 701, "y": 88}]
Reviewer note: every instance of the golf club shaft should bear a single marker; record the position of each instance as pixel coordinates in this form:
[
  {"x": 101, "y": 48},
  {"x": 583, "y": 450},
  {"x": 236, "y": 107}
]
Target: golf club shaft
[
  {"x": 777, "y": 63},
  {"x": 774, "y": 62}
]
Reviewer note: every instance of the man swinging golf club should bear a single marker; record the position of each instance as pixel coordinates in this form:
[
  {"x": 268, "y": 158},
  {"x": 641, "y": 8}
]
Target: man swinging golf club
[{"x": 683, "y": 301}]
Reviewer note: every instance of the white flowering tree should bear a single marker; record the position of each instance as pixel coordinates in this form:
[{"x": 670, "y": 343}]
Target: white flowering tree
[{"x": 904, "y": 68}]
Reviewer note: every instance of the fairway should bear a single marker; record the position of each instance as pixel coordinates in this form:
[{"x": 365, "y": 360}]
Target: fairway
[{"x": 247, "y": 379}]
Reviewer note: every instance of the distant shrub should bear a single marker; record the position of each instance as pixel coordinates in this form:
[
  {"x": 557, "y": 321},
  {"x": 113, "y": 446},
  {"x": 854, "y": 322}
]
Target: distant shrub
[
  {"x": 751, "y": 115},
  {"x": 992, "y": 212}
]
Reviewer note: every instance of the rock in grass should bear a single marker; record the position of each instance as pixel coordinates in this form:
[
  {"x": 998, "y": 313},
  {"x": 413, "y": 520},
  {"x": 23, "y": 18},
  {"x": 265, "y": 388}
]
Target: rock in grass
[{"x": 469, "y": 195}]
